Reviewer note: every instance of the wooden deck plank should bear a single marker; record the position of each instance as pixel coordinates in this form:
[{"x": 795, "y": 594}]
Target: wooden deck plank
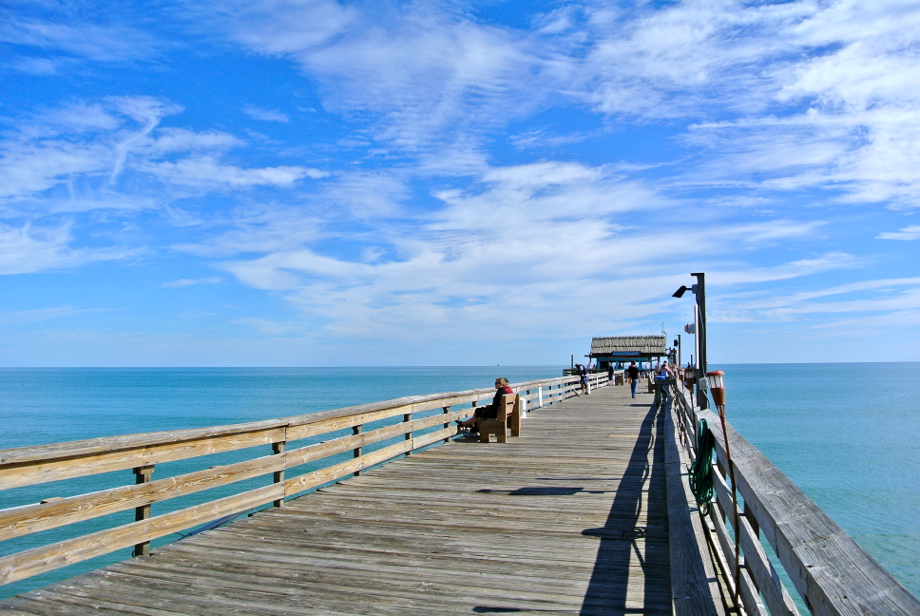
[{"x": 570, "y": 518}]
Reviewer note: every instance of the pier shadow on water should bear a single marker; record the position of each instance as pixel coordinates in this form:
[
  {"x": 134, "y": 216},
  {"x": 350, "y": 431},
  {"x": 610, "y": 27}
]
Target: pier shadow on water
[{"x": 624, "y": 540}]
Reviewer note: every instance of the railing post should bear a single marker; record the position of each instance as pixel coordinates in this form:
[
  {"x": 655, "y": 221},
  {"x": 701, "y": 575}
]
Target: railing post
[
  {"x": 751, "y": 520},
  {"x": 142, "y": 474},
  {"x": 407, "y": 417},
  {"x": 278, "y": 450},
  {"x": 540, "y": 397},
  {"x": 357, "y": 430},
  {"x": 446, "y": 410}
]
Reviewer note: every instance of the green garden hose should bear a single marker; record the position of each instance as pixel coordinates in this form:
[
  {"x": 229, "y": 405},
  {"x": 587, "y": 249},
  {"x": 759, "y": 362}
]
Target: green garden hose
[{"x": 701, "y": 471}]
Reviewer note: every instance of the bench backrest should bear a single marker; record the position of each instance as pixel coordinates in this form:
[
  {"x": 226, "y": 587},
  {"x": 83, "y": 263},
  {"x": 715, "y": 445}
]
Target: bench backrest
[{"x": 506, "y": 408}]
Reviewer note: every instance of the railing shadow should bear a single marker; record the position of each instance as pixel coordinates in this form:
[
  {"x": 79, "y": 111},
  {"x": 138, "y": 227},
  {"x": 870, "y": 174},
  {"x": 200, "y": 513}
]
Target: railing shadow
[{"x": 607, "y": 590}]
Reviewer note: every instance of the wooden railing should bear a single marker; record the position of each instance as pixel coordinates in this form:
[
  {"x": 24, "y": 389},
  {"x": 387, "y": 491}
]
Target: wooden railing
[
  {"x": 396, "y": 427},
  {"x": 829, "y": 571}
]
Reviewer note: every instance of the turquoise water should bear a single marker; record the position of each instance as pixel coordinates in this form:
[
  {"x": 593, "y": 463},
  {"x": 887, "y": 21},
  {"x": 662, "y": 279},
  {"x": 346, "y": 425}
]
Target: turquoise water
[
  {"x": 845, "y": 433},
  {"x": 40, "y": 406},
  {"x": 52, "y": 405}
]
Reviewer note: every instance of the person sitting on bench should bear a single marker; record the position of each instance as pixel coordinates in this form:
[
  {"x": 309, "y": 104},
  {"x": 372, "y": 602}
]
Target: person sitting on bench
[{"x": 490, "y": 411}]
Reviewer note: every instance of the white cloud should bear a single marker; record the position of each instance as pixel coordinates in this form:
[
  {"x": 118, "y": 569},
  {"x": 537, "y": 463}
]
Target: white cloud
[
  {"x": 266, "y": 115},
  {"x": 40, "y": 315},
  {"x": 424, "y": 71},
  {"x": 29, "y": 249},
  {"x": 206, "y": 172},
  {"x": 433, "y": 76},
  {"x": 364, "y": 195},
  {"x": 122, "y": 135},
  {"x": 36, "y": 66},
  {"x": 186, "y": 282},
  {"x": 537, "y": 240},
  {"x": 113, "y": 155},
  {"x": 824, "y": 93},
  {"x": 906, "y": 234},
  {"x": 866, "y": 299},
  {"x": 83, "y": 40},
  {"x": 285, "y": 26}
]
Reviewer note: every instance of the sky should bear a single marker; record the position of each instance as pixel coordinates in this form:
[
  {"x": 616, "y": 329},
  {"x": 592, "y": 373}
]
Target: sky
[{"x": 311, "y": 182}]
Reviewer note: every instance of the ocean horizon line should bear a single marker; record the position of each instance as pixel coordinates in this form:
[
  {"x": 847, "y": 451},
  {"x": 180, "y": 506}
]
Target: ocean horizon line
[{"x": 417, "y": 366}]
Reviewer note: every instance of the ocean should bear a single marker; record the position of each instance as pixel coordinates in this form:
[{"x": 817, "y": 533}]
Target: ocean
[
  {"x": 845, "y": 433},
  {"x": 848, "y": 434}
]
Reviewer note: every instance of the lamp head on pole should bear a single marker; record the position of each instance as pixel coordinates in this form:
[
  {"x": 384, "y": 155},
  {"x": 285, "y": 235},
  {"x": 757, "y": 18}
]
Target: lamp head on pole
[
  {"x": 683, "y": 289},
  {"x": 717, "y": 386}
]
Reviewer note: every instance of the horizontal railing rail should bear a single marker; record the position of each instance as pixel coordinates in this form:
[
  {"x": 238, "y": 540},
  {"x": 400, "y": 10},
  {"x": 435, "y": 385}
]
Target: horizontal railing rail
[
  {"x": 421, "y": 421},
  {"x": 830, "y": 572}
]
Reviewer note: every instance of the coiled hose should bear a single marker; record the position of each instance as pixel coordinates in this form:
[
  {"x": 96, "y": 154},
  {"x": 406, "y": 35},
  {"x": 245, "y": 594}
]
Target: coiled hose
[{"x": 701, "y": 470}]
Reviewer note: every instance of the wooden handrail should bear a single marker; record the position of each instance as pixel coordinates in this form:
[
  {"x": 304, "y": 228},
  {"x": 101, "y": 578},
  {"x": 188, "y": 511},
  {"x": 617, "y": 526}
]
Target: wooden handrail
[
  {"x": 28, "y": 466},
  {"x": 831, "y": 572}
]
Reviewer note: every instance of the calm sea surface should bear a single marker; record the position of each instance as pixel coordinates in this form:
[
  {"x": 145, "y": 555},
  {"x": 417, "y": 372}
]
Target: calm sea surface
[{"x": 845, "y": 433}]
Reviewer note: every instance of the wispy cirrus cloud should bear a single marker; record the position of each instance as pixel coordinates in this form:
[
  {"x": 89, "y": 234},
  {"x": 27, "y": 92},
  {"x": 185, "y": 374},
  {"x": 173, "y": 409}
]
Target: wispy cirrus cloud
[
  {"x": 800, "y": 115},
  {"x": 111, "y": 155},
  {"x": 907, "y": 234},
  {"x": 100, "y": 142},
  {"x": 266, "y": 115},
  {"x": 865, "y": 299},
  {"x": 40, "y": 315},
  {"x": 31, "y": 248},
  {"x": 818, "y": 95},
  {"x": 187, "y": 282},
  {"x": 421, "y": 70},
  {"x": 68, "y": 40},
  {"x": 554, "y": 229}
]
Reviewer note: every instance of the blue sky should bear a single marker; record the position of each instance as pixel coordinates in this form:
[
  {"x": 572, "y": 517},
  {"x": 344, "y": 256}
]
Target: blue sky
[{"x": 310, "y": 182}]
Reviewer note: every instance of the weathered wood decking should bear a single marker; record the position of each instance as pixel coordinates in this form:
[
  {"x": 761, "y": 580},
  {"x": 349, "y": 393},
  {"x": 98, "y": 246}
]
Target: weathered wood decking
[{"x": 570, "y": 518}]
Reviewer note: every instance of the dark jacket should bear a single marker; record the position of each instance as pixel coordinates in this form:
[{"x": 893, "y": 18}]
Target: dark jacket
[{"x": 491, "y": 411}]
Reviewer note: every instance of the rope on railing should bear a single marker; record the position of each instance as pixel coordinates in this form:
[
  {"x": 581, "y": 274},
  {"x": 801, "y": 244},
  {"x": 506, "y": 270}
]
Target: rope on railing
[{"x": 701, "y": 470}]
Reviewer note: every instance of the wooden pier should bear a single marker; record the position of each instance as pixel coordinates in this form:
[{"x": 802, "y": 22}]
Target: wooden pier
[
  {"x": 587, "y": 512},
  {"x": 570, "y": 518}
]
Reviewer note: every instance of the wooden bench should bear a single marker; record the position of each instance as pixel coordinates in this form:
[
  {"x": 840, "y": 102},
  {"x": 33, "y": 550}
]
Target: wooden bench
[{"x": 509, "y": 417}]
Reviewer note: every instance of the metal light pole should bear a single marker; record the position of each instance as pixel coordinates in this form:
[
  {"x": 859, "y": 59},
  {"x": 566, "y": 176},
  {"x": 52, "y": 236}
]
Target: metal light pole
[{"x": 699, "y": 289}]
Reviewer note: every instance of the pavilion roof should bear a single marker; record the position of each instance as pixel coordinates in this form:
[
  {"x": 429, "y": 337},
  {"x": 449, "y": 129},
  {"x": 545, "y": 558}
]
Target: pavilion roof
[{"x": 646, "y": 345}]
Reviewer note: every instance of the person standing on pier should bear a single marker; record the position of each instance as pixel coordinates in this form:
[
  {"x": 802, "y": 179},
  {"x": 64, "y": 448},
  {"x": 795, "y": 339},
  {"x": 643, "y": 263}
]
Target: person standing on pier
[
  {"x": 633, "y": 374},
  {"x": 583, "y": 378},
  {"x": 661, "y": 387}
]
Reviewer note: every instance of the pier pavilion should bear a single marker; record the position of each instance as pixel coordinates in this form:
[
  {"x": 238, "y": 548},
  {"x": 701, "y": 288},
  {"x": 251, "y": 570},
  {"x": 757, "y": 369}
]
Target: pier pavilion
[
  {"x": 620, "y": 350},
  {"x": 377, "y": 509}
]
